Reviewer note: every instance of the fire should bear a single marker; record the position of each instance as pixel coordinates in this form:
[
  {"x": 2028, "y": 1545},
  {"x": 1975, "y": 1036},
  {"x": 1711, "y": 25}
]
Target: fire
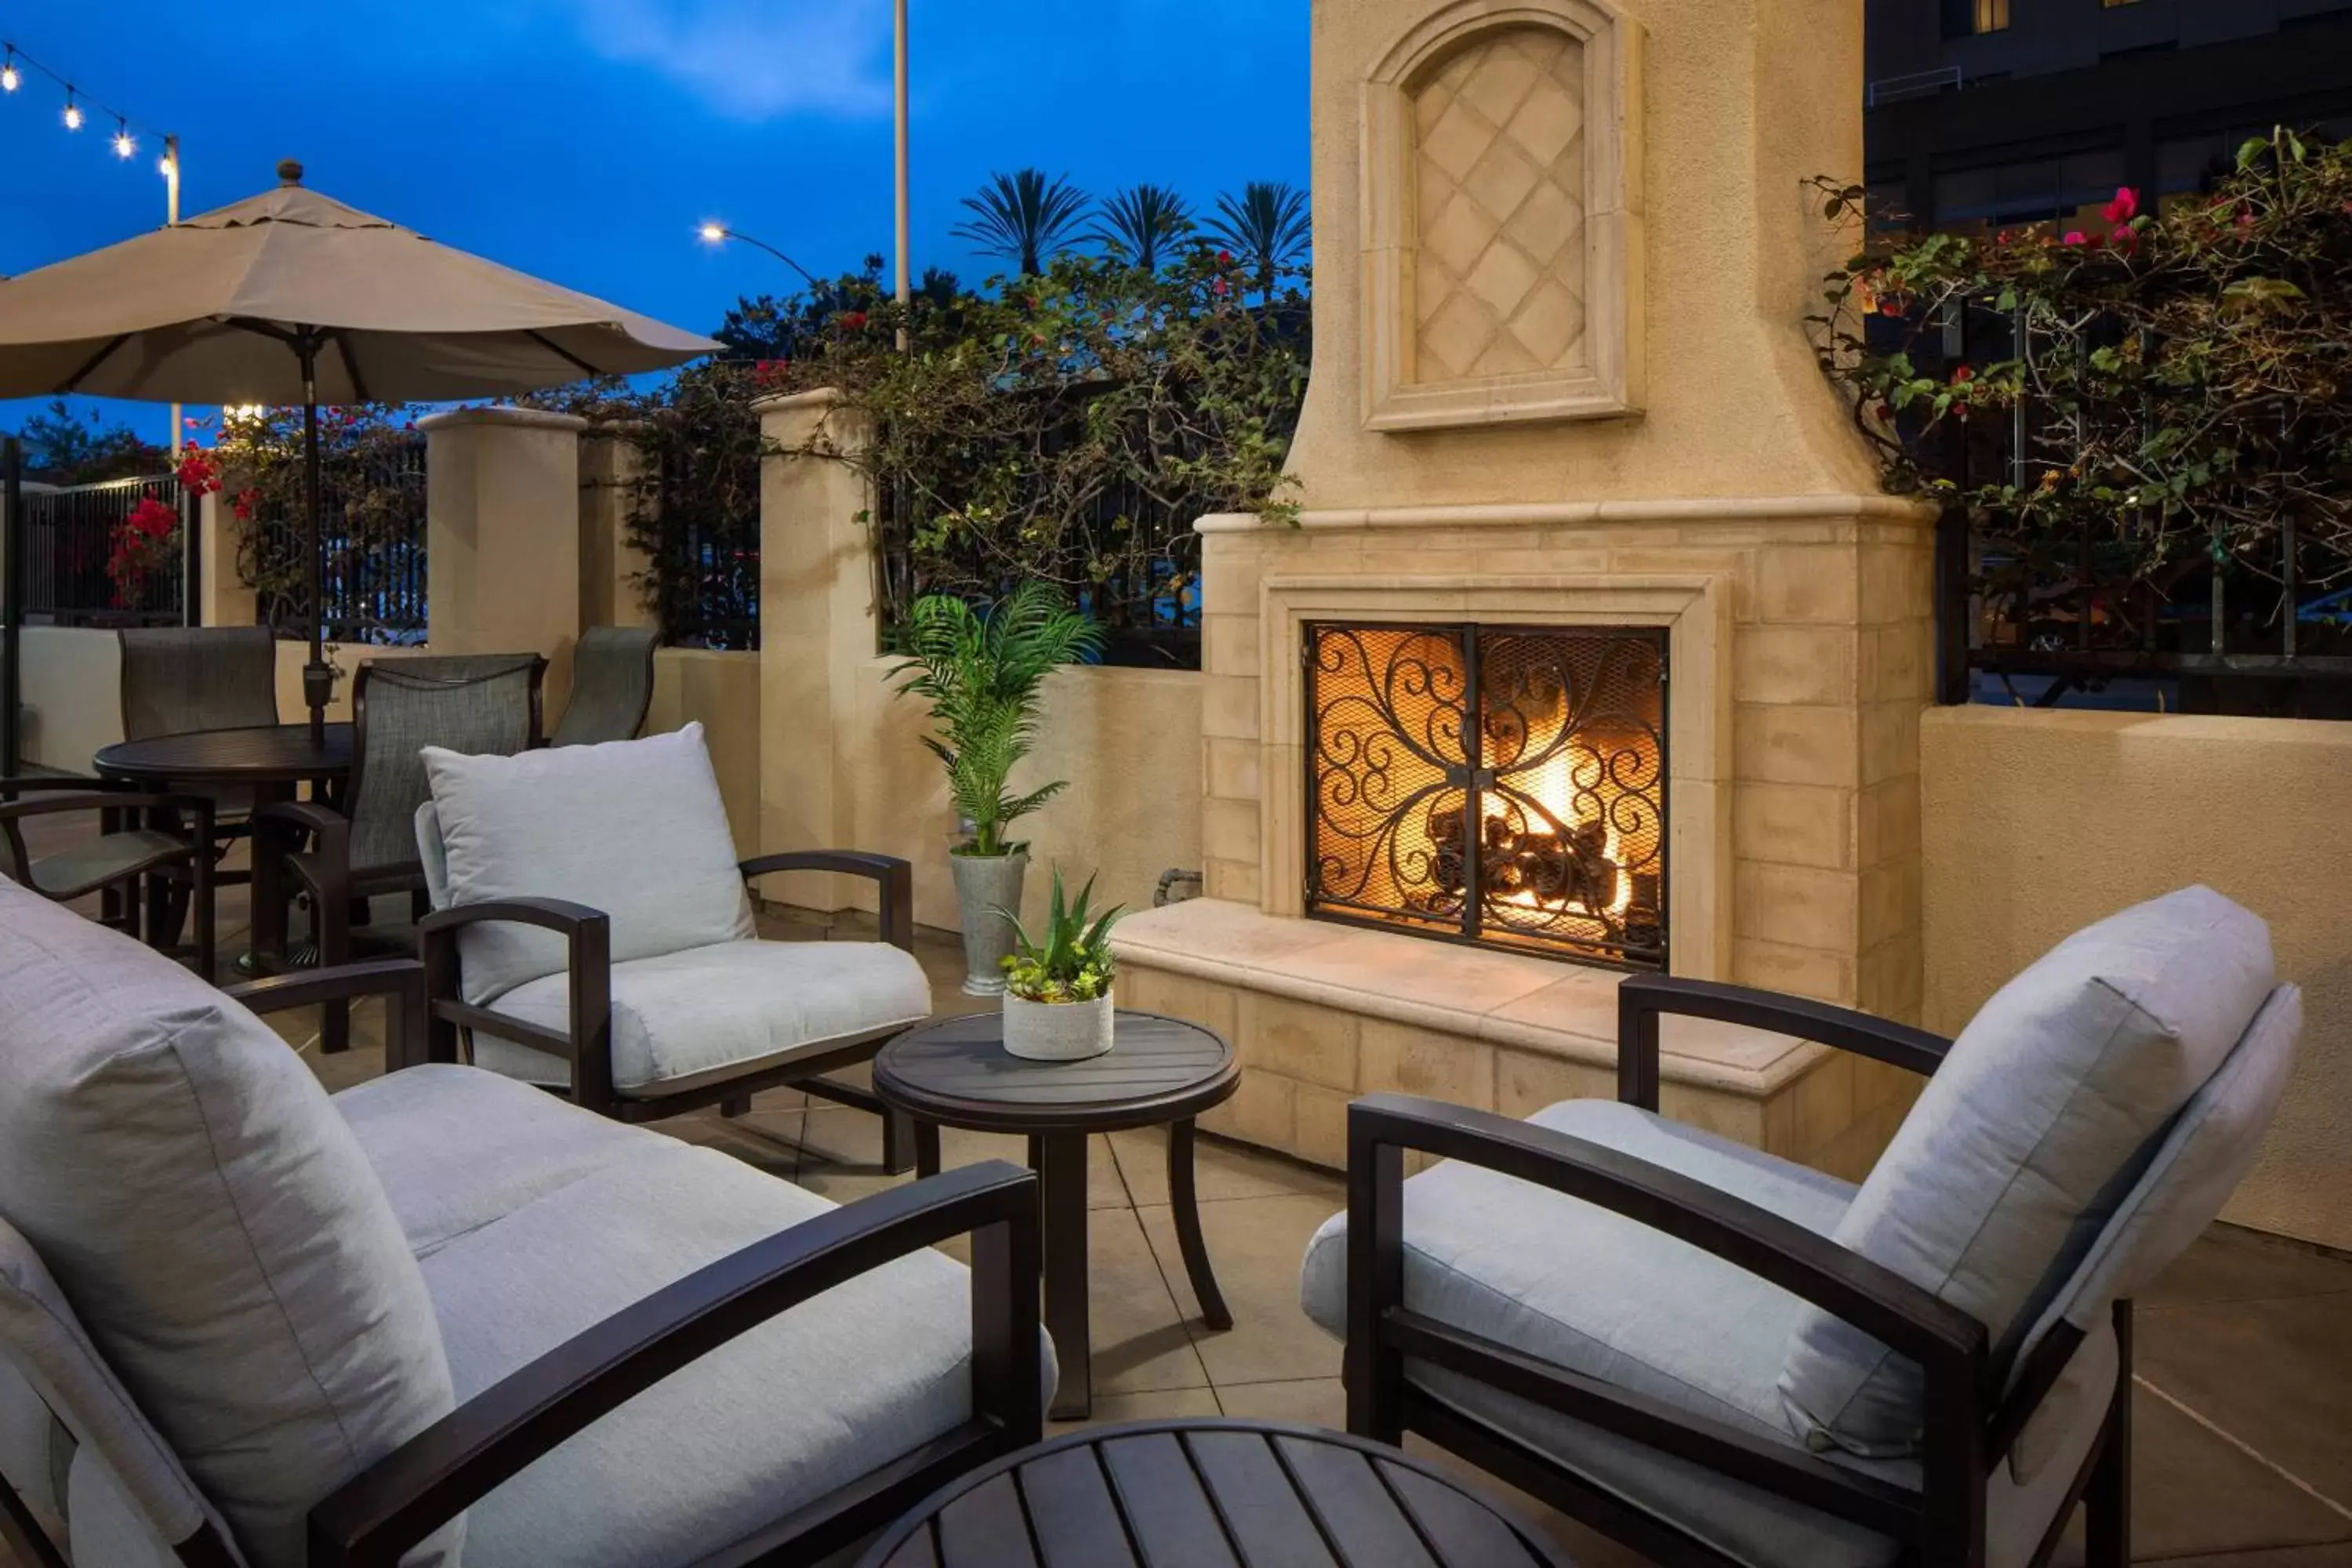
[{"x": 1553, "y": 784}]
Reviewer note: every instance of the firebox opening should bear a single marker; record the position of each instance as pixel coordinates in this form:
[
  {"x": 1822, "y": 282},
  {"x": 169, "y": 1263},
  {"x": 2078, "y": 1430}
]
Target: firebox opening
[{"x": 1504, "y": 785}]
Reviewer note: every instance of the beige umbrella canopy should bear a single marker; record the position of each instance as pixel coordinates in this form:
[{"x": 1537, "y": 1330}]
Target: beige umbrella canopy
[{"x": 290, "y": 297}]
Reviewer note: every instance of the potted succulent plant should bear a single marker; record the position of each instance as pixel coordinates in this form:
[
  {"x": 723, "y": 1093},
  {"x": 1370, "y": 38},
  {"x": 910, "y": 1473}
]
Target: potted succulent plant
[
  {"x": 981, "y": 672},
  {"x": 1057, "y": 995}
]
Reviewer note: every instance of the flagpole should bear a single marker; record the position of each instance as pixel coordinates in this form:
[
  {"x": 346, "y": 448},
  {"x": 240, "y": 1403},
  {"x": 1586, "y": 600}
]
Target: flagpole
[{"x": 906, "y": 224}]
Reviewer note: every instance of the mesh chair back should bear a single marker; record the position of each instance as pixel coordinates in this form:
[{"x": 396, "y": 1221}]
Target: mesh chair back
[
  {"x": 396, "y": 711},
  {"x": 612, "y": 686},
  {"x": 180, "y": 680}
]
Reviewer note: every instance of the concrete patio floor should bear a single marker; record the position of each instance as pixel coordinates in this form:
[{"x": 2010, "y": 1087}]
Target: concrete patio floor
[{"x": 2242, "y": 1448}]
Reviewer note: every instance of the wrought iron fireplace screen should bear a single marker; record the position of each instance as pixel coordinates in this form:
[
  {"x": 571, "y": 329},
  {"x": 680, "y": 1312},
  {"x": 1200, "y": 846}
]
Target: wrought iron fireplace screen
[{"x": 1495, "y": 785}]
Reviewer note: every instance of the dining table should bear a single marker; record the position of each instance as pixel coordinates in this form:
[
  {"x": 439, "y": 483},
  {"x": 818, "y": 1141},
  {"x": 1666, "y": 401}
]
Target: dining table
[{"x": 261, "y": 764}]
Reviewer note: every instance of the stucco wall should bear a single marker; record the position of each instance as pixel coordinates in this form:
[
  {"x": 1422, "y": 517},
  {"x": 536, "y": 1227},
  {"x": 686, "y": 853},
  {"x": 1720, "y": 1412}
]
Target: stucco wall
[
  {"x": 2038, "y": 824},
  {"x": 722, "y": 691},
  {"x": 1128, "y": 742}
]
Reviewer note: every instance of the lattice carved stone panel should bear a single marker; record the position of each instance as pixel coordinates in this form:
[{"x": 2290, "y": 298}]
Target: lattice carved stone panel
[
  {"x": 1499, "y": 198},
  {"x": 1501, "y": 217}
]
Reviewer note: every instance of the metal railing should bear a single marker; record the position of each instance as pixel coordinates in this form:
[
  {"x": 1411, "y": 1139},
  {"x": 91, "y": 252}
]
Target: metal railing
[
  {"x": 69, "y": 538},
  {"x": 371, "y": 572}
]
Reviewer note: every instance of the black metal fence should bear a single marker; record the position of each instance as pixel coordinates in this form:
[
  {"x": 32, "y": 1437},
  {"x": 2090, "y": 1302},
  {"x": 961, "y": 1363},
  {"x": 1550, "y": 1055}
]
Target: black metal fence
[
  {"x": 371, "y": 559},
  {"x": 2082, "y": 620},
  {"x": 69, "y": 538},
  {"x": 721, "y": 566}
]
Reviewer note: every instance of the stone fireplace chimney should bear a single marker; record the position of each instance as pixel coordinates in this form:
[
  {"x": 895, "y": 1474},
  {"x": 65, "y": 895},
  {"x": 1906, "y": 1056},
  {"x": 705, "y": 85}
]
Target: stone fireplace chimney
[{"x": 1564, "y": 251}]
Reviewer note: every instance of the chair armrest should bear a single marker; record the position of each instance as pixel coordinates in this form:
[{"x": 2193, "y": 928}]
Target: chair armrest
[
  {"x": 588, "y": 936},
  {"x": 404, "y": 1497},
  {"x": 1642, "y": 999},
  {"x": 64, "y": 797},
  {"x": 896, "y": 877},
  {"x": 277, "y": 829},
  {"x": 400, "y": 980}
]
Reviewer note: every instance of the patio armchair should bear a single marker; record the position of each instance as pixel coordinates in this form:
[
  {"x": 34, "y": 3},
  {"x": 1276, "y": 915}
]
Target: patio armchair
[
  {"x": 443, "y": 1317},
  {"x": 612, "y": 686},
  {"x": 593, "y": 934},
  {"x": 365, "y": 845},
  {"x": 1718, "y": 1357},
  {"x": 133, "y": 860},
  {"x": 180, "y": 680}
]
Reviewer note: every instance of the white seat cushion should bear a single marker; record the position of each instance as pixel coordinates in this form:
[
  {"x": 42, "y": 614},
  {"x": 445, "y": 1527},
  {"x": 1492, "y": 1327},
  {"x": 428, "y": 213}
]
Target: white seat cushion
[
  {"x": 521, "y": 1143},
  {"x": 634, "y": 828},
  {"x": 685, "y": 1019},
  {"x": 786, "y": 1415},
  {"x": 213, "y": 1222},
  {"x": 2048, "y": 1107},
  {"x": 1585, "y": 1290}
]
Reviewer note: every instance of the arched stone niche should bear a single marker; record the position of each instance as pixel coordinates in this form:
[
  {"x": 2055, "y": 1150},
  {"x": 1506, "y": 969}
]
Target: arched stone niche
[{"x": 1502, "y": 233}]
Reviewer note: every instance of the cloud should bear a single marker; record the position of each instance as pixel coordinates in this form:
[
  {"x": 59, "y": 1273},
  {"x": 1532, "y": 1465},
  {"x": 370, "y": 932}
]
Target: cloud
[{"x": 754, "y": 59}]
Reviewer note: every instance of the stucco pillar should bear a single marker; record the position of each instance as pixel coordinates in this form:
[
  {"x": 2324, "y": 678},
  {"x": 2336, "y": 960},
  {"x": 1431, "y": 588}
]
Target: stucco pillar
[
  {"x": 224, "y": 599},
  {"x": 817, "y": 626},
  {"x": 612, "y": 470},
  {"x": 502, "y": 536}
]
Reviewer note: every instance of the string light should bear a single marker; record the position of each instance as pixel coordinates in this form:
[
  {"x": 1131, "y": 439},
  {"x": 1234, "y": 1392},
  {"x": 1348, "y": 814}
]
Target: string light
[{"x": 16, "y": 66}]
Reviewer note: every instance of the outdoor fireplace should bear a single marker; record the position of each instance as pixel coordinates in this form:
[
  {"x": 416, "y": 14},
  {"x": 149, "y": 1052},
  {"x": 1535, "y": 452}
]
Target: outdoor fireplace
[{"x": 1499, "y": 784}]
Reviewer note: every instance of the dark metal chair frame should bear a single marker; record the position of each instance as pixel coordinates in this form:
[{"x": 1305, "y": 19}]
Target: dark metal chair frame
[
  {"x": 259, "y": 644},
  {"x": 325, "y": 870},
  {"x": 191, "y": 864},
  {"x": 404, "y": 1497},
  {"x": 587, "y": 1044},
  {"x": 1970, "y": 1423}
]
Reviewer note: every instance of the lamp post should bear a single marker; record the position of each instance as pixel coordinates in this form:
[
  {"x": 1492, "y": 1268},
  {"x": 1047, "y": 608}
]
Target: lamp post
[
  {"x": 720, "y": 234},
  {"x": 906, "y": 224}
]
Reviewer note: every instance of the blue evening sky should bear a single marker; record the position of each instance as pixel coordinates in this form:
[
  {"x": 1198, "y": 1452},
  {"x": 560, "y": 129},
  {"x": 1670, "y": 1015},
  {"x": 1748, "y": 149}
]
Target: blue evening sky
[{"x": 585, "y": 140}]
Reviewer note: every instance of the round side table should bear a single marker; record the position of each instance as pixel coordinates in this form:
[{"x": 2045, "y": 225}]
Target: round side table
[
  {"x": 1244, "y": 1492},
  {"x": 1161, "y": 1072}
]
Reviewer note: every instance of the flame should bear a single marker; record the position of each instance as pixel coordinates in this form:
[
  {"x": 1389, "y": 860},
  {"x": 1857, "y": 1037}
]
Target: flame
[{"x": 1552, "y": 784}]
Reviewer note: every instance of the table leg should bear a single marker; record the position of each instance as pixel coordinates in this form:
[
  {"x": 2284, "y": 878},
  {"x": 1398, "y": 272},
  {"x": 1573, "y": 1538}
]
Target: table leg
[
  {"x": 268, "y": 953},
  {"x": 1187, "y": 1210},
  {"x": 1060, "y": 1160},
  {"x": 927, "y": 1149}
]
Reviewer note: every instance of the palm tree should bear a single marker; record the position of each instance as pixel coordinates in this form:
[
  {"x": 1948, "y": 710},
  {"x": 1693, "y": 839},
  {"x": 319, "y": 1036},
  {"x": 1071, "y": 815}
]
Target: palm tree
[
  {"x": 1141, "y": 222},
  {"x": 1269, "y": 229},
  {"x": 1024, "y": 217}
]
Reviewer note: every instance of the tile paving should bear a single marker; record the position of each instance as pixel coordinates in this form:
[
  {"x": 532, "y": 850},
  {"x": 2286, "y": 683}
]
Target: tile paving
[{"x": 2243, "y": 1442}]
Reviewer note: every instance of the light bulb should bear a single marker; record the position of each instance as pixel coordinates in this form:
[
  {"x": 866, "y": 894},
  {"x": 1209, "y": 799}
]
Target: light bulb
[
  {"x": 123, "y": 144},
  {"x": 714, "y": 232},
  {"x": 73, "y": 113},
  {"x": 10, "y": 78},
  {"x": 166, "y": 167}
]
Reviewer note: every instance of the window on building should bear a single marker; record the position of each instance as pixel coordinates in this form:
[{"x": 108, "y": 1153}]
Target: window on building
[{"x": 1992, "y": 15}]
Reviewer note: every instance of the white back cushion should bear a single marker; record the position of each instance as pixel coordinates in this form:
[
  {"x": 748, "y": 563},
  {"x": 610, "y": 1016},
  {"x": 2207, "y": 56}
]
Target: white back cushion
[
  {"x": 2028, "y": 1137},
  {"x": 221, "y": 1236},
  {"x": 635, "y": 828}
]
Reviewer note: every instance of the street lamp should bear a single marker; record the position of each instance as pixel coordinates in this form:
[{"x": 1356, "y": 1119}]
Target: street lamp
[{"x": 720, "y": 234}]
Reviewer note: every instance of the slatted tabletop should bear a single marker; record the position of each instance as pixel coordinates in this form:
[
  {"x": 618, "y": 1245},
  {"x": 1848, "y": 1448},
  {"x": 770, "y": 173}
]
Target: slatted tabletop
[
  {"x": 280, "y": 753},
  {"x": 958, "y": 1071},
  {"x": 1209, "y": 1494}
]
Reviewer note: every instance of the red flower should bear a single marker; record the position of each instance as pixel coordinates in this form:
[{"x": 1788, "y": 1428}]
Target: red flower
[
  {"x": 2003, "y": 238},
  {"x": 152, "y": 518},
  {"x": 2073, "y": 236},
  {"x": 243, "y": 504},
  {"x": 198, "y": 476},
  {"x": 2125, "y": 239},
  {"x": 1962, "y": 376},
  {"x": 1221, "y": 288},
  {"x": 2124, "y": 207},
  {"x": 1225, "y": 259},
  {"x": 852, "y": 321}
]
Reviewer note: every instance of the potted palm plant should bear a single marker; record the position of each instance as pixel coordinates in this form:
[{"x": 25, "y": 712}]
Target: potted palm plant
[
  {"x": 981, "y": 672},
  {"x": 1057, "y": 997}
]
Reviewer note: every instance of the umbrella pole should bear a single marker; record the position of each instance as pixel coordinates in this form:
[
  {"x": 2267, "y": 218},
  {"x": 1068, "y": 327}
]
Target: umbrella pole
[{"x": 318, "y": 679}]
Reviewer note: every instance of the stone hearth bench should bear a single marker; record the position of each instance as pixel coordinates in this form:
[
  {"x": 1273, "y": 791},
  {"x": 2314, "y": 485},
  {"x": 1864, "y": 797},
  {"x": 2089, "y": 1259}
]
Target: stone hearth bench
[{"x": 1320, "y": 1014}]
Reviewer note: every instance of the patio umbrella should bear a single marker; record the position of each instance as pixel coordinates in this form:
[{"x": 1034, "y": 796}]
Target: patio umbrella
[{"x": 290, "y": 297}]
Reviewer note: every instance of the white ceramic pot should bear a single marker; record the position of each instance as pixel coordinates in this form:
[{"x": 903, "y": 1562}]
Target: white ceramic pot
[{"x": 1057, "y": 1031}]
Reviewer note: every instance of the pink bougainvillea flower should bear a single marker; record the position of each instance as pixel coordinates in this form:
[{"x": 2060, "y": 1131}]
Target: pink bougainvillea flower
[
  {"x": 1225, "y": 259},
  {"x": 854, "y": 320},
  {"x": 2125, "y": 239},
  {"x": 1221, "y": 288},
  {"x": 1962, "y": 376},
  {"x": 2124, "y": 207},
  {"x": 2073, "y": 236}
]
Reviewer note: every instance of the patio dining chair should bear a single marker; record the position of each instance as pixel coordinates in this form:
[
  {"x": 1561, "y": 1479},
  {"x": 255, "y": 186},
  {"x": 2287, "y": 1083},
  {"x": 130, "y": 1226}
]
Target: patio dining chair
[
  {"x": 612, "y": 686},
  {"x": 593, "y": 934},
  {"x": 1724, "y": 1359},
  {"x": 366, "y": 844},
  {"x": 134, "y": 854},
  {"x": 182, "y": 680}
]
